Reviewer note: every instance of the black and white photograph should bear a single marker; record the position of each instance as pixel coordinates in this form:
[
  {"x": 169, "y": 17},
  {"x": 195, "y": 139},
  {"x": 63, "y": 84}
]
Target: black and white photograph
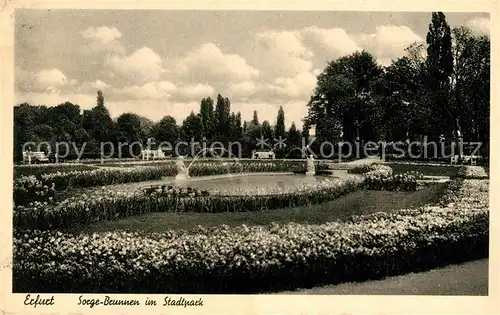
[{"x": 283, "y": 152}]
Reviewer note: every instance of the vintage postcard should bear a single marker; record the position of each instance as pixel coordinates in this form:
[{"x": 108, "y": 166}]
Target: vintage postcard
[{"x": 256, "y": 158}]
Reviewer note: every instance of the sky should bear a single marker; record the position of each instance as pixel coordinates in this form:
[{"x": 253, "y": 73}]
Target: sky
[{"x": 158, "y": 63}]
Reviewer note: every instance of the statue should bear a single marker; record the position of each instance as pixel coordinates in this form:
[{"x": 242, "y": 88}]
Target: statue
[
  {"x": 182, "y": 170},
  {"x": 311, "y": 170}
]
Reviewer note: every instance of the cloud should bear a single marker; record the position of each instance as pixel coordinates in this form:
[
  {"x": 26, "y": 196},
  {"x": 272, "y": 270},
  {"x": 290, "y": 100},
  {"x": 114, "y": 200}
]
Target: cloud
[
  {"x": 150, "y": 91},
  {"x": 241, "y": 90},
  {"x": 91, "y": 87},
  {"x": 281, "y": 53},
  {"x": 208, "y": 63},
  {"x": 388, "y": 42},
  {"x": 102, "y": 39},
  {"x": 196, "y": 91},
  {"x": 102, "y": 34},
  {"x": 300, "y": 85},
  {"x": 51, "y": 78},
  {"x": 53, "y": 97},
  {"x": 335, "y": 40},
  {"x": 479, "y": 25},
  {"x": 141, "y": 66},
  {"x": 101, "y": 85}
]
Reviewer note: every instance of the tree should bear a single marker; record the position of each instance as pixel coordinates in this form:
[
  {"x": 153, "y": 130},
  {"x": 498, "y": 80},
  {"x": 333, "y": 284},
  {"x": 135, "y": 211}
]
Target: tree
[
  {"x": 267, "y": 131},
  {"x": 192, "y": 127},
  {"x": 166, "y": 130},
  {"x": 279, "y": 129},
  {"x": 222, "y": 113},
  {"x": 439, "y": 67},
  {"x": 98, "y": 122},
  {"x": 100, "y": 99},
  {"x": 293, "y": 137},
  {"x": 129, "y": 131},
  {"x": 255, "y": 119},
  {"x": 343, "y": 99},
  {"x": 207, "y": 117}
]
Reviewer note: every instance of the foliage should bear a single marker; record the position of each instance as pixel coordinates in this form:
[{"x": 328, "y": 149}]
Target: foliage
[
  {"x": 67, "y": 179},
  {"x": 472, "y": 172},
  {"x": 111, "y": 205},
  {"x": 29, "y": 189},
  {"x": 274, "y": 257},
  {"x": 39, "y": 169},
  {"x": 279, "y": 128},
  {"x": 396, "y": 182}
]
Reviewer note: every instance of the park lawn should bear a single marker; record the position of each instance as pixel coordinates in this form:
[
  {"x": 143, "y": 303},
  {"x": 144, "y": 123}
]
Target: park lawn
[
  {"x": 356, "y": 203},
  {"x": 470, "y": 278},
  {"x": 427, "y": 170}
]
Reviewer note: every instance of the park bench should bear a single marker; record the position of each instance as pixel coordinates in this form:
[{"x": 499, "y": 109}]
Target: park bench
[{"x": 34, "y": 157}]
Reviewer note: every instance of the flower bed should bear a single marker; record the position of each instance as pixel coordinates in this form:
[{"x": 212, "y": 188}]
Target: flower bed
[
  {"x": 29, "y": 189},
  {"x": 276, "y": 257},
  {"x": 472, "y": 172},
  {"x": 397, "y": 182},
  {"x": 39, "y": 169},
  {"x": 110, "y": 176},
  {"x": 110, "y": 205}
]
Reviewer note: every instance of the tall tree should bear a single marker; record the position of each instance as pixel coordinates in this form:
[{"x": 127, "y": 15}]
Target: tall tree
[
  {"x": 293, "y": 137},
  {"x": 279, "y": 129},
  {"x": 207, "y": 117},
  {"x": 343, "y": 99},
  {"x": 267, "y": 131},
  {"x": 129, "y": 131},
  {"x": 192, "y": 127},
  {"x": 100, "y": 98},
  {"x": 166, "y": 130},
  {"x": 439, "y": 66},
  {"x": 255, "y": 119},
  {"x": 222, "y": 113},
  {"x": 98, "y": 121}
]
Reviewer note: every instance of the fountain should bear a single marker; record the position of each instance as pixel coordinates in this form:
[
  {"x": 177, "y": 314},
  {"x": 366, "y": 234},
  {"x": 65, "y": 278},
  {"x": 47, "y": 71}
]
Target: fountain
[
  {"x": 311, "y": 169},
  {"x": 182, "y": 170}
]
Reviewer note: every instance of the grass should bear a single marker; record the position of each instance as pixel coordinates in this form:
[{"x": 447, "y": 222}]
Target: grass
[
  {"x": 427, "y": 170},
  {"x": 470, "y": 278},
  {"x": 357, "y": 203}
]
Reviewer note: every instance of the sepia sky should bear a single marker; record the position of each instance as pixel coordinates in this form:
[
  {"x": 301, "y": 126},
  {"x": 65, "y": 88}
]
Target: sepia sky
[{"x": 158, "y": 63}]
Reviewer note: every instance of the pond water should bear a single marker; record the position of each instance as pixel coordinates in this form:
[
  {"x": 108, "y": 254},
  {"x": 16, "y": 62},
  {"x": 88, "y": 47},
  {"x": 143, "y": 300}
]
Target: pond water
[{"x": 250, "y": 183}]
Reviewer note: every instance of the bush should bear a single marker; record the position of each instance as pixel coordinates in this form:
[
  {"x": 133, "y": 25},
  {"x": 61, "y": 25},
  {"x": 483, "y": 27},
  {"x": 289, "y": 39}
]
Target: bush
[
  {"x": 398, "y": 182},
  {"x": 40, "y": 169},
  {"x": 28, "y": 189},
  {"x": 110, "y": 176},
  {"x": 472, "y": 172},
  {"x": 110, "y": 205},
  {"x": 276, "y": 257}
]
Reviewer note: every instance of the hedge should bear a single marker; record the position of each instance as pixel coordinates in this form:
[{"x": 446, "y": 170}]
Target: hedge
[
  {"x": 259, "y": 258},
  {"x": 110, "y": 176},
  {"x": 110, "y": 205}
]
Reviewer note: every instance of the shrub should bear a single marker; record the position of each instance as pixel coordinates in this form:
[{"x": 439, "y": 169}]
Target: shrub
[
  {"x": 472, "y": 172},
  {"x": 384, "y": 181},
  {"x": 263, "y": 258},
  {"x": 110, "y": 205},
  {"x": 110, "y": 176},
  {"x": 28, "y": 189},
  {"x": 40, "y": 169}
]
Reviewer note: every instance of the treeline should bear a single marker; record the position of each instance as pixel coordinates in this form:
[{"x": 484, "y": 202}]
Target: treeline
[
  {"x": 214, "y": 122},
  {"x": 440, "y": 89}
]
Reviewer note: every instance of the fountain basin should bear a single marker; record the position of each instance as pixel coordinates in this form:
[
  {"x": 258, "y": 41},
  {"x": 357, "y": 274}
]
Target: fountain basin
[{"x": 250, "y": 182}]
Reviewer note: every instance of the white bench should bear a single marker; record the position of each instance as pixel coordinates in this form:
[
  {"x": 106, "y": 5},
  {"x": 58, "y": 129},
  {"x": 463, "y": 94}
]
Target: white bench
[
  {"x": 35, "y": 156},
  {"x": 470, "y": 159}
]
